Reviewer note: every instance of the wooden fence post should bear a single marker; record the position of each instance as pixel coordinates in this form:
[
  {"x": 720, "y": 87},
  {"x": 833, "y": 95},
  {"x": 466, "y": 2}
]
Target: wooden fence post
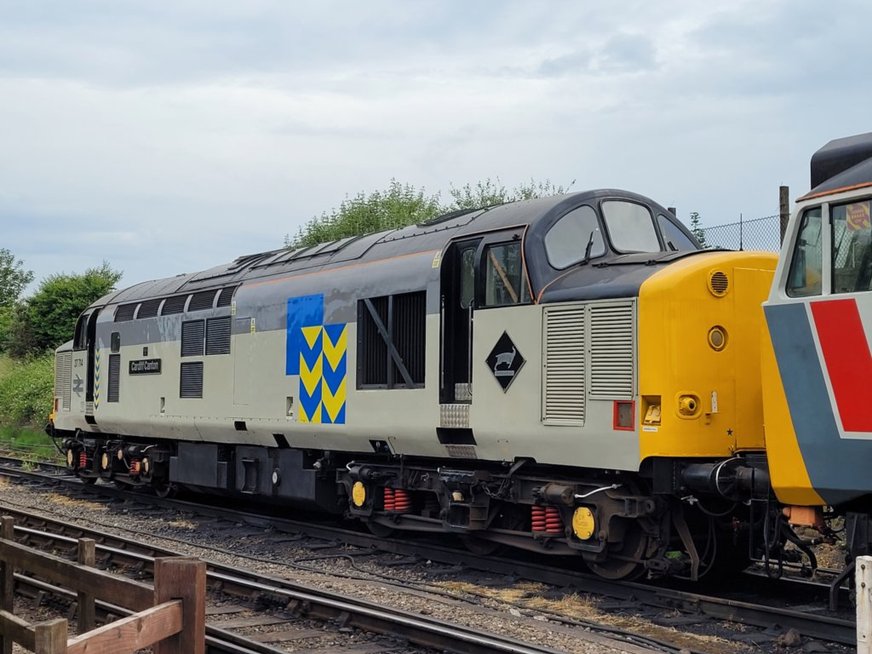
[
  {"x": 863, "y": 578},
  {"x": 7, "y": 583},
  {"x": 51, "y": 637},
  {"x": 184, "y": 579},
  {"x": 783, "y": 209},
  {"x": 7, "y": 580},
  {"x": 86, "y": 556}
]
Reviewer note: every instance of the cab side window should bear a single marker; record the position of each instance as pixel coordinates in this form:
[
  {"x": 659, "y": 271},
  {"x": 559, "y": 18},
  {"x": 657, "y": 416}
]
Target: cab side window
[
  {"x": 673, "y": 237},
  {"x": 504, "y": 279},
  {"x": 852, "y": 247},
  {"x": 79, "y": 339},
  {"x": 804, "y": 278}
]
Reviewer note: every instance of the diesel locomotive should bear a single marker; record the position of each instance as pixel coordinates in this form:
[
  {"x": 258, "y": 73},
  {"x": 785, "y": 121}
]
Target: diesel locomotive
[
  {"x": 572, "y": 375},
  {"x": 817, "y": 365}
]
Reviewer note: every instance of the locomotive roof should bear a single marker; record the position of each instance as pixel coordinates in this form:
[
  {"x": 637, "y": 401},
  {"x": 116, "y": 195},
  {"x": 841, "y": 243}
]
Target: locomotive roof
[
  {"x": 431, "y": 235},
  {"x": 841, "y": 164}
]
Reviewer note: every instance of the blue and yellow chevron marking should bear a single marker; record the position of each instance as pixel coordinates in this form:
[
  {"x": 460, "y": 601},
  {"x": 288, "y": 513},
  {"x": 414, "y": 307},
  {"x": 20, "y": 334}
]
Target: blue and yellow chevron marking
[
  {"x": 318, "y": 354},
  {"x": 96, "y": 378}
]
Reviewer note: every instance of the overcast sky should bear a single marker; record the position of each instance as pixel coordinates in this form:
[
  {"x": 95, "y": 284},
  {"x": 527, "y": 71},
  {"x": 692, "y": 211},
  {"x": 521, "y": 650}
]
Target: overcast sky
[{"x": 169, "y": 137}]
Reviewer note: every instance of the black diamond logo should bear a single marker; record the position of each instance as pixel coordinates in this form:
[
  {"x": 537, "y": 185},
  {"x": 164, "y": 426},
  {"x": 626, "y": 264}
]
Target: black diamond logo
[{"x": 505, "y": 361}]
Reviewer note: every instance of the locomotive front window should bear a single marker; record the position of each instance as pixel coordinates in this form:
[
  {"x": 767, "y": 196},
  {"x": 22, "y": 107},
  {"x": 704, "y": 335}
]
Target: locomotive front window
[
  {"x": 852, "y": 247},
  {"x": 566, "y": 242},
  {"x": 630, "y": 226},
  {"x": 805, "y": 267},
  {"x": 504, "y": 279}
]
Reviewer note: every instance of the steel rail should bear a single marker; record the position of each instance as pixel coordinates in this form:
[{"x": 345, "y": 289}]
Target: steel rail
[
  {"x": 813, "y": 625},
  {"x": 326, "y": 605}
]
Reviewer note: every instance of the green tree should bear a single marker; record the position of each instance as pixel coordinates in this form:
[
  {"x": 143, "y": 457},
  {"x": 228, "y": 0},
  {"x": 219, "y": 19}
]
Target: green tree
[
  {"x": 489, "y": 192},
  {"x": 13, "y": 278},
  {"x": 48, "y": 318},
  {"x": 401, "y": 205},
  {"x": 697, "y": 229},
  {"x": 397, "y": 206}
]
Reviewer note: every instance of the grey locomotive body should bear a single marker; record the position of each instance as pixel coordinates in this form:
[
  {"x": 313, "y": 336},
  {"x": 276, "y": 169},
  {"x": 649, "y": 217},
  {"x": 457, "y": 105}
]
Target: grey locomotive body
[{"x": 477, "y": 374}]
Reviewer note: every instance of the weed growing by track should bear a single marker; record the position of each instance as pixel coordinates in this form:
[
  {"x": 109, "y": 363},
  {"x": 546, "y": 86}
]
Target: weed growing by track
[{"x": 25, "y": 401}]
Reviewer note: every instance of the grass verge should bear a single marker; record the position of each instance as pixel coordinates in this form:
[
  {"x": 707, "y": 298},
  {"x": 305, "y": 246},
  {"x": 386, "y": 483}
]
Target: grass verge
[{"x": 28, "y": 443}]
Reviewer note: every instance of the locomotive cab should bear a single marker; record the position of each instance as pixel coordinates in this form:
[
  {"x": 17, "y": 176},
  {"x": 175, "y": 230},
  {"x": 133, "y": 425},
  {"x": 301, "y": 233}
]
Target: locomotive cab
[{"x": 817, "y": 361}]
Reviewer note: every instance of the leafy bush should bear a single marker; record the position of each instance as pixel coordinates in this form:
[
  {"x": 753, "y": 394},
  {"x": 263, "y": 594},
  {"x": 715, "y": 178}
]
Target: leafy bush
[
  {"x": 26, "y": 391},
  {"x": 48, "y": 318}
]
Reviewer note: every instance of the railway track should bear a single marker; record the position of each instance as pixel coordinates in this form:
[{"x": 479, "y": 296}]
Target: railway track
[
  {"x": 281, "y": 605},
  {"x": 690, "y": 606}
]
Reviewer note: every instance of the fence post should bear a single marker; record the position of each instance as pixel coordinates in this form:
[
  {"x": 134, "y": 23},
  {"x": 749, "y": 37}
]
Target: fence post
[
  {"x": 51, "y": 637},
  {"x": 783, "y": 208},
  {"x": 7, "y": 580},
  {"x": 86, "y": 556},
  {"x": 863, "y": 579},
  {"x": 184, "y": 579}
]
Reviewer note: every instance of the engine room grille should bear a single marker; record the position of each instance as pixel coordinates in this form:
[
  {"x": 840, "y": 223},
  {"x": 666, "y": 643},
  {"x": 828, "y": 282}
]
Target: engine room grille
[
  {"x": 218, "y": 335},
  {"x": 125, "y": 312},
  {"x": 63, "y": 378},
  {"x": 391, "y": 342},
  {"x": 191, "y": 383},
  {"x": 611, "y": 351},
  {"x": 114, "y": 377},
  {"x": 564, "y": 359},
  {"x": 175, "y": 304},
  {"x": 226, "y": 296},
  {"x": 148, "y": 309},
  {"x": 192, "y": 338},
  {"x": 202, "y": 300}
]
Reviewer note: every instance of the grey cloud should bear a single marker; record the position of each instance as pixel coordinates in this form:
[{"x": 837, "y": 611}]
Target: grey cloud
[
  {"x": 628, "y": 53},
  {"x": 575, "y": 62},
  {"x": 621, "y": 53}
]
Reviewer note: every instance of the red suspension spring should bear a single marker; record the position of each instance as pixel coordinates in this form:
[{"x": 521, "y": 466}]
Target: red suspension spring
[
  {"x": 390, "y": 502},
  {"x": 83, "y": 460},
  {"x": 546, "y": 519},
  {"x": 537, "y": 517},
  {"x": 553, "y": 523},
  {"x": 402, "y": 501},
  {"x": 135, "y": 466}
]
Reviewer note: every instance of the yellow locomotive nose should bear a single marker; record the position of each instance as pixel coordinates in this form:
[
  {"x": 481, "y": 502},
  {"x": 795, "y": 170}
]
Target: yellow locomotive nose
[{"x": 700, "y": 325}]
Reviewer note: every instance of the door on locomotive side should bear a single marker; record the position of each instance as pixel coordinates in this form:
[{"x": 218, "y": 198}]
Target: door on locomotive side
[
  {"x": 85, "y": 372},
  {"x": 479, "y": 273},
  {"x": 819, "y": 317},
  {"x": 457, "y": 306}
]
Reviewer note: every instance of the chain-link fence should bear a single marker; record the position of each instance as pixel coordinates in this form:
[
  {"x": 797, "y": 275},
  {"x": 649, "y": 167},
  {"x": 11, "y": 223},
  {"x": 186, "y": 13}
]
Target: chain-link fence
[{"x": 756, "y": 234}]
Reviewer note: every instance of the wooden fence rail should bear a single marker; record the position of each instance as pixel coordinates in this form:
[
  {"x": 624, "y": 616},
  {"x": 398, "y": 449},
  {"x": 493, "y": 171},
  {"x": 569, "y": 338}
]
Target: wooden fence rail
[{"x": 171, "y": 615}]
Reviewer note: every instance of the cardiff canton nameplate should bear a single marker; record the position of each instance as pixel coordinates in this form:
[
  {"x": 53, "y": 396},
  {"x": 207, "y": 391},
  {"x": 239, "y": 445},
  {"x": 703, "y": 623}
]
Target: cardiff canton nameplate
[{"x": 145, "y": 367}]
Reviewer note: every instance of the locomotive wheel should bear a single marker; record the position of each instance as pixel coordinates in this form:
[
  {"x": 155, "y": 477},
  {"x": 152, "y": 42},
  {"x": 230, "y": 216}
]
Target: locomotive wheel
[
  {"x": 624, "y": 562},
  {"x": 164, "y": 489},
  {"x": 378, "y": 529},
  {"x": 480, "y": 546}
]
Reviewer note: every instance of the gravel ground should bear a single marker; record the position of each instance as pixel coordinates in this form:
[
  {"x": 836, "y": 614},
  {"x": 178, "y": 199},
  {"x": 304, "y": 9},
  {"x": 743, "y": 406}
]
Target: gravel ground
[{"x": 510, "y": 607}]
